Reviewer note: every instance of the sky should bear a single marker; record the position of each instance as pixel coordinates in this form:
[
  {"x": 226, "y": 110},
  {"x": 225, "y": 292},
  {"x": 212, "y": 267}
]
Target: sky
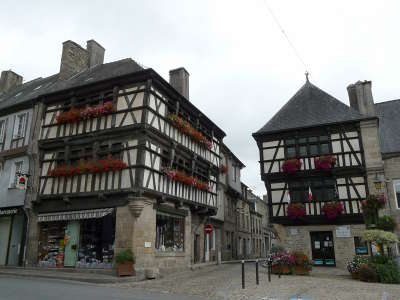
[{"x": 242, "y": 69}]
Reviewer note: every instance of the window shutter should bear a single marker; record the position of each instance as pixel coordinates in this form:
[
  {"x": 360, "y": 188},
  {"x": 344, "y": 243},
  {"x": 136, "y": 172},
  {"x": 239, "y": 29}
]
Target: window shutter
[{"x": 16, "y": 125}]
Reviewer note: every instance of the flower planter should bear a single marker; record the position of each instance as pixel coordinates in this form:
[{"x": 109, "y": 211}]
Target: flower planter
[
  {"x": 300, "y": 270},
  {"x": 296, "y": 210},
  {"x": 291, "y": 166},
  {"x": 355, "y": 275},
  {"x": 183, "y": 178},
  {"x": 324, "y": 163},
  {"x": 125, "y": 269},
  {"x": 277, "y": 269},
  {"x": 333, "y": 209}
]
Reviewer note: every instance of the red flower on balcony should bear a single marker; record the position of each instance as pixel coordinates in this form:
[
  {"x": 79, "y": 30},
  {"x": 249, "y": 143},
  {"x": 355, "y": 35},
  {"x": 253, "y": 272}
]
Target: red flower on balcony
[
  {"x": 223, "y": 169},
  {"x": 290, "y": 166},
  {"x": 185, "y": 127},
  {"x": 324, "y": 163},
  {"x": 296, "y": 210},
  {"x": 78, "y": 114},
  {"x": 333, "y": 209},
  {"x": 88, "y": 167},
  {"x": 180, "y": 176}
]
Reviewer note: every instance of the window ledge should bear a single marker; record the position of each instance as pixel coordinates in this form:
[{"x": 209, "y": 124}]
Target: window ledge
[{"x": 170, "y": 254}]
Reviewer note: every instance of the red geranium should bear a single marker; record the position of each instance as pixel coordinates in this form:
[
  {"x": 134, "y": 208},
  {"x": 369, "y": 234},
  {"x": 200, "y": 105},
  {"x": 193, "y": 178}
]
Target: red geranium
[
  {"x": 77, "y": 114},
  {"x": 290, "y": 166},
  {"x": 296, "y": 210},
  {"x": 324, "y": 163},
  {"x": 333, "y": 209}
]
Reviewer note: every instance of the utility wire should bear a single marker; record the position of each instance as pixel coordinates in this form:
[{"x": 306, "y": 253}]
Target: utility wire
[{"x": 285, "y": 35}]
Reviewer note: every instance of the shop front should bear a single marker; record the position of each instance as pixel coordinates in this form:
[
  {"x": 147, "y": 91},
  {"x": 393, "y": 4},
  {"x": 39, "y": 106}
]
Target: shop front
[
  {"x": 82, "y": 239},
  {"x": 12, "y": 229}
]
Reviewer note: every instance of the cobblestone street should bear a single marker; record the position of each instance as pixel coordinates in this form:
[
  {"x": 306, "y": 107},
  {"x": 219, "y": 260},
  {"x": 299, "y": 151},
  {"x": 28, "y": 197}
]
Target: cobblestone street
[{"x": 224, "y": 282}]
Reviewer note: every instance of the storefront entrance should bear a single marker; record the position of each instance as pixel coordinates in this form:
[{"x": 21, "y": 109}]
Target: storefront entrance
[
  {"x": 85, "y": 241},
  {"x": 12, "y": 224},
  {"x": 5, "y": 226},
  {"x": 323, "y": 251}
]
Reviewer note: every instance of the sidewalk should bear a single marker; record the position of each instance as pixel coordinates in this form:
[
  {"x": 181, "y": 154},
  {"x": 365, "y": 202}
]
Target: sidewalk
[{"x": 89, "y": 276}]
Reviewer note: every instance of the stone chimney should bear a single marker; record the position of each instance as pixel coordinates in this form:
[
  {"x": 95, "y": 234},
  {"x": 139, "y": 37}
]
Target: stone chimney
[
  {"x": 360, "y": 96},
  {"x": 96, "y": 53},
  {"x": 9, "y": 80},
  {"x": 74, "y": 59},
  {"x": 179, "y": 79}
]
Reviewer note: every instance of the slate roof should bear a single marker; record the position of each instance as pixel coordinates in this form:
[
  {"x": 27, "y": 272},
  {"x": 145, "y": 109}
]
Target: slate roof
[
  {"x": 309, "y": 107},
  {"x": 41, "y": 86},
  {"x": 389, "y": 125}
]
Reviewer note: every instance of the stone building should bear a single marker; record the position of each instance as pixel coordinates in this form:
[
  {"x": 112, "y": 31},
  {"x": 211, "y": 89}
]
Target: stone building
[
  {"x": 124, "y": 161},
  {"x": 326, "y": 154},
  {"x": 229, "y": 195},
  {"x": 244, "y": 242},
  {"x": 260, "y": 232}
]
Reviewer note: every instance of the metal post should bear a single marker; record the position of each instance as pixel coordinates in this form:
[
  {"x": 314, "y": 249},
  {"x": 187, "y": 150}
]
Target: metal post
[
  {"x": 280, "y": 269},
  {"x": 257, "y": 279},
  {"x": 243, "y": 283},
  {"x": 269, "y": 269}
]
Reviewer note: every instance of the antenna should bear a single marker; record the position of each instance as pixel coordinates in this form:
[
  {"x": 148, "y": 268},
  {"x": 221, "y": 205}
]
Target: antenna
[{"x": 287, "y": 37}]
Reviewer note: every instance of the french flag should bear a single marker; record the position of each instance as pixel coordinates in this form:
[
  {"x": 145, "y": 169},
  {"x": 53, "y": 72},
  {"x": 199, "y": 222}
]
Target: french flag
[{"x": 309, "y": 194}]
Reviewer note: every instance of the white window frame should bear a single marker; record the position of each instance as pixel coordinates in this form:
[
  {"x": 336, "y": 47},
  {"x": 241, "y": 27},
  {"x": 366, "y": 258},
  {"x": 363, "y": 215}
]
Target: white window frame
[
  {"x": 2, "y": 131},
  {"x": 13, "y": 177},
  {"x": 396, "y": 182},
  {"x": 18, "y": 117}
]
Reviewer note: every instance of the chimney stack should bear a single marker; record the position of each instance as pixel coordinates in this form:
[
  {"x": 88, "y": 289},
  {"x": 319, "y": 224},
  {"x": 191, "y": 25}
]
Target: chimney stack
[
  {"x": 74, "y": 59},
  {"x": 360, "y": 96},
  {"x": 9, "y": 80},
  {"x": 96, "y": 53},
  {"x": 179, "y": 79}
]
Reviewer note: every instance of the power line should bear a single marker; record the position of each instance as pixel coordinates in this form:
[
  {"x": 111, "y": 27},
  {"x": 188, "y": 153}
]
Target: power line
[{"x": 285, "y": 35}]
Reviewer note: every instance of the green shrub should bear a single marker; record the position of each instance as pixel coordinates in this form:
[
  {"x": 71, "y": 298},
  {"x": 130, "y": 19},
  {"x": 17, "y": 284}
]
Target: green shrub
[
  {"x": 367, "y": 273},
  {"x": 386, "y": 223},
  {"x": 125, "y": 256},
  {"x": 388, "y": 273},
  {"x": 380, "y": 259},
  {"x": 276, "y": 249}
]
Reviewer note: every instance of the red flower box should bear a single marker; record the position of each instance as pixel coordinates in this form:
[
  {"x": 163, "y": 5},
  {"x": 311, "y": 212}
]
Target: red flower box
[
  {"x": 88, "y": 167},
  {"x": 324, "y": 163},
  {"x": 296, "y": 210},
  {"x": 181, "y": 177},
  {"x": 333, "y": 209},
  {"x": 290, "y": 166},
  {"x": 185, "y": 127},
  {"x": 78, "y": 114}
]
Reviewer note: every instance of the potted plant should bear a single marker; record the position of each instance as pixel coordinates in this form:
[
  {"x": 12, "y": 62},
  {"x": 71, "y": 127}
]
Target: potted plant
[
  {"x": 125, "y": 261},
  {"x": 290, "y": 166},
  {"x": 333, "y": 209},
  {"x": 283, "y": 264},
  {"x": 370, "y": 208},
  {"x": 354, "y": 266},
  {"x": 296, "y": 210},
  {"x": 325, "y": 162},
  {"x": 386, "y": 223},
  {"x": 302, "y": 264}
]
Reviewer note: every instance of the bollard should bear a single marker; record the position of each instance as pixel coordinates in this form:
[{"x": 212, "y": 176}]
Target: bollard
[
  {"x": 280, "y": 269},
  {"x": 257, "y": 281},
  {"x": 243, "y": 283},
  {"x": 269, "y": 269}
]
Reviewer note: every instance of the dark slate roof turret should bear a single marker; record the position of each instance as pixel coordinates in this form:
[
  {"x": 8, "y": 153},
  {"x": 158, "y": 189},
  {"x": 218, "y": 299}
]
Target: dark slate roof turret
[{"x": 310, "y": 107}]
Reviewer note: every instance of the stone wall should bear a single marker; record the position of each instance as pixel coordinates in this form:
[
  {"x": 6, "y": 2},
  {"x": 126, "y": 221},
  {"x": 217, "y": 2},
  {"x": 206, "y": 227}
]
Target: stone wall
[
  {"x": 392, "y": 172},
  {"x": 344, "y": 247}
]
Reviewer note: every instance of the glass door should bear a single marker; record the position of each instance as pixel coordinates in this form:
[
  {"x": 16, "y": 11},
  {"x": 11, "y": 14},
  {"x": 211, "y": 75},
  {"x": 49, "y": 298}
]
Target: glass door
[
  {"x": 323, "y": 252},
  {"x": 71, "y": 243}
]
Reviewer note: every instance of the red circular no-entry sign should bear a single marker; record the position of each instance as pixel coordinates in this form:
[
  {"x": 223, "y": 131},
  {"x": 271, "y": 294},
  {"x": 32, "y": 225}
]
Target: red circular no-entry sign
[{"x": 208, "y": 228}]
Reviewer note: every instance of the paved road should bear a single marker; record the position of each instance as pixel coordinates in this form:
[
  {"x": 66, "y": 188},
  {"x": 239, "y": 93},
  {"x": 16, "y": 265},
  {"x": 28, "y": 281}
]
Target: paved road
[{"x": 47, "y": 289}]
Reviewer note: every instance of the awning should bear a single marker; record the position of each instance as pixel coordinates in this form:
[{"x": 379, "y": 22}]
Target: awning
[{"x": 75, "y": 215}]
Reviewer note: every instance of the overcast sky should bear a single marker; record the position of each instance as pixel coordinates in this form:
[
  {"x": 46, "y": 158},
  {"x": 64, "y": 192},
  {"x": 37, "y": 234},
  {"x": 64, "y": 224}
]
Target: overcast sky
[{"x": 242, "y": 69}]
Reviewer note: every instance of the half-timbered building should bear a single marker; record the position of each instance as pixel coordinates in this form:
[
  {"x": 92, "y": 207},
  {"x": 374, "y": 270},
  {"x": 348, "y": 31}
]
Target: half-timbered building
[
  {"x": 315, "y": 159},
  {"x": 126, "y": 161}
]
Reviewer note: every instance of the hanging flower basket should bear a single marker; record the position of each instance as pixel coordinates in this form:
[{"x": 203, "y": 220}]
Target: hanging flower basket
[
  {"x": 223, "y": 169},
  {"x": 333, "y": 209},
  {"x": 296, "y": 210},
  {"x": 370, "y": 207},
  {"x": 88, "y": 167},
  {"x": 185, "y": 127},
  {"x": 290, "y": 166},
  {"x": 78, "y": 114},
  {"x": 324, "y": 163},
  {"x": 181, "y": 177}
]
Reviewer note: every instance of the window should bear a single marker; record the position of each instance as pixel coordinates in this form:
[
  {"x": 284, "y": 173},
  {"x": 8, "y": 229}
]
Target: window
[
  {"x": 212, "y": 240},
  {"x": 16, "y": 169},
  {"x": 307, "y": 146},
  {"x": 170, "y": 232},
  {"x": 396, "y": 187},
  {"x": 2, "y": 131},
  {"x": 19, "y": 126},
  {"x": 361, "y": 247},
  {"x": 323, "y": 189},
  {"x": 234, "y": 173}
]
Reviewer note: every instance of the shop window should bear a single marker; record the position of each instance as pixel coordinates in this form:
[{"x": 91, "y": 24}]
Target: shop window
[
  {"x": 361, "y": 247},
  {"x": 52, "y": 243},
  {"x": 396, "y": 187},
  {"x": 170, "y": 231}
]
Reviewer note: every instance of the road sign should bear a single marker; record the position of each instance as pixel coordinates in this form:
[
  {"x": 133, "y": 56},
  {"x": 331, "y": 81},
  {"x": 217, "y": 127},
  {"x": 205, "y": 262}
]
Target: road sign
[
  {"x": 208, "y": 228},
  {"x": 21, "y": 182}
]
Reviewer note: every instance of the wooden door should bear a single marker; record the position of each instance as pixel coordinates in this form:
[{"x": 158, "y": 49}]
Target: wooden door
[
  {"x": 323, "y": 251},
  {"x": 71, "y": 248}
]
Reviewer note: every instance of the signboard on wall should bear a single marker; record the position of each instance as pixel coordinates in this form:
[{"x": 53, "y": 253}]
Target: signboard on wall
[{"x": 343, "y": 231}]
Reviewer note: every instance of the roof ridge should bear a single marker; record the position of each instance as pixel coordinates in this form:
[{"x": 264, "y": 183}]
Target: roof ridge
[{"x": 388, "y": 101}]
